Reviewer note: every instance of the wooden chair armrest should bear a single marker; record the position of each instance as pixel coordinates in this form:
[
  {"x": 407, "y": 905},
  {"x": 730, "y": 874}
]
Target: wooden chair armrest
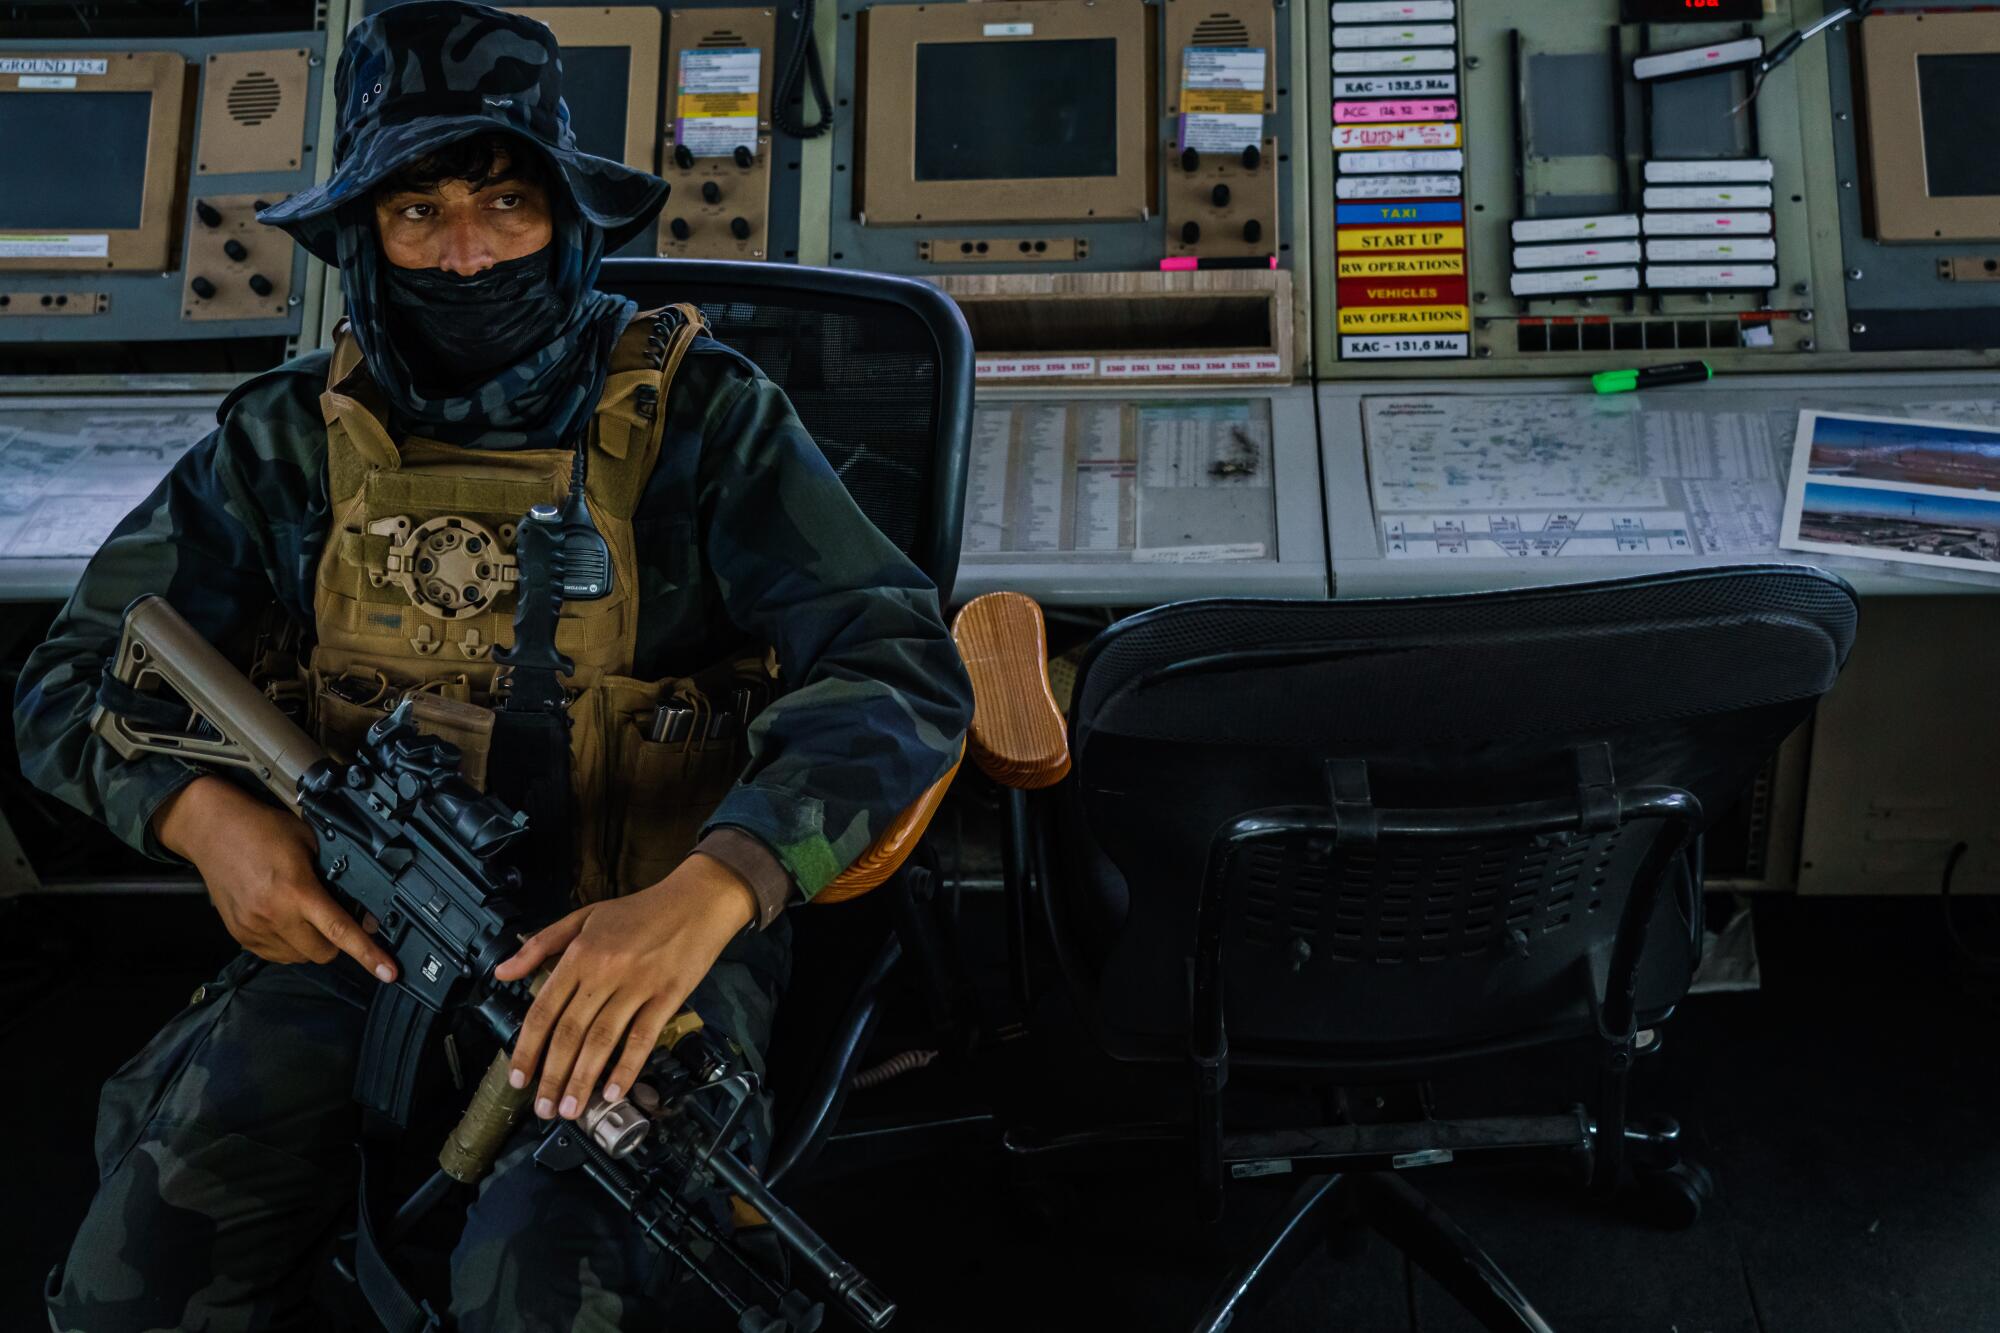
[
  {"x": 893, "y": 847},
  {"x": 1018, "y": 737}
]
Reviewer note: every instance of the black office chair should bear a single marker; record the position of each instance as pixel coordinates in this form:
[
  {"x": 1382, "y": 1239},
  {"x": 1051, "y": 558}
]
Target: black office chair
[
  {"x": 1367, "y": 842},
  {"x": 880, "y": 371}
]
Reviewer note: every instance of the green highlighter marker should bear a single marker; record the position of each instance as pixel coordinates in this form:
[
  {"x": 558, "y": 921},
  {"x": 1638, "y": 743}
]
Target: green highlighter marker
[{"x": 1651, "y": 377}]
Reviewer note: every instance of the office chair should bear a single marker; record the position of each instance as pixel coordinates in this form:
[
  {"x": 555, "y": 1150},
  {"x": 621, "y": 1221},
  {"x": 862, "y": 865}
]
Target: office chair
[
  {"x": 1372, "y": 841},
  {"x": 880, "y": 371}
]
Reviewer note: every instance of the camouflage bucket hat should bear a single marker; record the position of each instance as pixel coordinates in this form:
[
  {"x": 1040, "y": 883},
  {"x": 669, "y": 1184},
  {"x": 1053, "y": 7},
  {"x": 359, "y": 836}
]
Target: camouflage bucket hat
[{"x": 418, "y": 76}]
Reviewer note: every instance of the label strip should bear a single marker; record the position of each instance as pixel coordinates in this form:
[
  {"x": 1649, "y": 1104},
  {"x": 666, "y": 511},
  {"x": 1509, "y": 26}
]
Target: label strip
[
  {"x": 1575, "y": 229},
  {"x": 1393, "y": 11},
  {"x": 1393, "y": 61},
  {"x": 1367, "y": 113},
  {"x": 1709, "y": 277},
  {"x": 1373, "y": 240},
  {"x": 1573, "y": 281},
  {"x": 1432, "y": 134},
  {"x": 1734, "y": 249},
  {"x": 1394, "y": 34},
  {"x": 1400, "y": 163},
  {"x": 1398, "y": 187},
  {"x": 1399, "y": 266},
  {"x": 1586, "y": 255},
  {"x": 1707, "y": 196},
  {"x": 1398, "y": 85},
  {"x": 1701, "y": 172},
  {"x": 1424, "y": 345},
  {"x": 1392, "y": 215},
  {"x": 1708, "y": 224}
]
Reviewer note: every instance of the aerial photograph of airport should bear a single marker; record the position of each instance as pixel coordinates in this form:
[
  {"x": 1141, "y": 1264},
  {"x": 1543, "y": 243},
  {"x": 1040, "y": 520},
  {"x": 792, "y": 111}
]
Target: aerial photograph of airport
[
  {"x": 1914, "y": 452},
  {"x": 1941, "y": 527}
]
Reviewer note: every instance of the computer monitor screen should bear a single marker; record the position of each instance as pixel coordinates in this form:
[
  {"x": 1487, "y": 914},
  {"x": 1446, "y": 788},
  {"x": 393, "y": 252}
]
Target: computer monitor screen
[
  {"x": 73, "y": 161},
  {"x": 1931, "y": 117},
  {"x": 1961, "y": 121},
  {"x": 597, "y": 84},
  {"x": 1006, "y": 112},
  {"x": 1060, "y": 101}
]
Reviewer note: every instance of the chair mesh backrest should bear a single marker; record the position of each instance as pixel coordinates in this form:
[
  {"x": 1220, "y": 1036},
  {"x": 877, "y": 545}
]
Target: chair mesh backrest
[
  {"x": 866, "y": 373},
  {"x": 1190, "y": 716},
  {"x": 1420, "y": 902}
]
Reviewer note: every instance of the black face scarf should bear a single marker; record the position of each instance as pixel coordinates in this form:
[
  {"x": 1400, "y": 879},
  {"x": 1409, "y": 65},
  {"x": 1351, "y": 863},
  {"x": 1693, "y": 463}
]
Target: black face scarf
[
  {"x": 511, "y": 358},
  {"x": 456, "y": 331}
]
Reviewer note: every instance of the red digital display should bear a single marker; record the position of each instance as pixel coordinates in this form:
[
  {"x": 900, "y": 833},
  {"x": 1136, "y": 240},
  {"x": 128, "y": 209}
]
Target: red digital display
[{"x": 1693, "y": 11}]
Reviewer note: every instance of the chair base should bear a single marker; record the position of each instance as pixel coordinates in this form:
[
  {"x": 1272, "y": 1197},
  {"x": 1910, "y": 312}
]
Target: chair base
[{"x": 1393, "y": 1208}]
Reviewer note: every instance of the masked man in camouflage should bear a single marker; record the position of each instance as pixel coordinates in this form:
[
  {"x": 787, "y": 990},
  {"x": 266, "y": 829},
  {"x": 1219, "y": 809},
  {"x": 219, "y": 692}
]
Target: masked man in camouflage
[{"x": 477, "y": 363}]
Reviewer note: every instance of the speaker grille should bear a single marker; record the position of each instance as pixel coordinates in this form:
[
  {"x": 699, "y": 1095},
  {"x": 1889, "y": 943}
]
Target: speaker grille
[
  {"x": 254, "y": 98},
  {"x": 1221, "y": 30}
]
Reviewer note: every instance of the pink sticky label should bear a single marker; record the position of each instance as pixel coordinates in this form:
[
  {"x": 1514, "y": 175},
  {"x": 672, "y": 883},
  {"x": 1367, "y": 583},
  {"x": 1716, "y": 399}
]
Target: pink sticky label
[{"x": 1363, "y": 113}]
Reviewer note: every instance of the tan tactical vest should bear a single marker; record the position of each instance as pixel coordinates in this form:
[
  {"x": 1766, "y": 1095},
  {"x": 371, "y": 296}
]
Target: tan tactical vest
[{"x": 415, "y": 590}]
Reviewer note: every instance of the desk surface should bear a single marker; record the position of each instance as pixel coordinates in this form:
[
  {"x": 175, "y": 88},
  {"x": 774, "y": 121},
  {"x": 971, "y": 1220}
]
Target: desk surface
[
  {"x": 1711, "y": 458},
  {"x": 1669, "y": 479},
  {"x": 71, "y": 468}
]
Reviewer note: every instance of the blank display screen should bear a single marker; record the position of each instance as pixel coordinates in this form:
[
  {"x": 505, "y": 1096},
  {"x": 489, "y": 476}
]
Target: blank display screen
[
  {"x": 991, "y": 111},
  {"x": 73, "y": 161},
  {"x": 1961, "y": 113},
  {"x": 596, "y": 82}
]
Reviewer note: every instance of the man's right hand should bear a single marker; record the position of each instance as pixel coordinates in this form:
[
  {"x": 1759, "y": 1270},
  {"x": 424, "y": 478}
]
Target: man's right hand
[{"x": 257, "y": 861}]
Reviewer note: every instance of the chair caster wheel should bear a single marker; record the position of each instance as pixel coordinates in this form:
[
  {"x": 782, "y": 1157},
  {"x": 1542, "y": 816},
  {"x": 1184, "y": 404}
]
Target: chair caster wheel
[{"x": 1673, "y": 1197}]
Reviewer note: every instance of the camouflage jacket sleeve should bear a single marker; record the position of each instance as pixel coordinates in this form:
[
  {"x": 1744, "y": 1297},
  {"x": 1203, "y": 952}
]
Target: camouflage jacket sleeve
[
  {"x": 209, "y": 539},
  {"x": 876, "y": 701}
]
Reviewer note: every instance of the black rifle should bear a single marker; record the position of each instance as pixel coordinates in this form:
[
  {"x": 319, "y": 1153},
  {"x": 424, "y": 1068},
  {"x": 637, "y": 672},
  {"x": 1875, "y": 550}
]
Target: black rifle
[{"x": 405, "y": 838}]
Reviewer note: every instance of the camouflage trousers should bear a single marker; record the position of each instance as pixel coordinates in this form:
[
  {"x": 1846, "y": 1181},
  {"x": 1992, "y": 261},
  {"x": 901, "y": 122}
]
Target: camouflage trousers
[{"x": 226, "y": 1164}]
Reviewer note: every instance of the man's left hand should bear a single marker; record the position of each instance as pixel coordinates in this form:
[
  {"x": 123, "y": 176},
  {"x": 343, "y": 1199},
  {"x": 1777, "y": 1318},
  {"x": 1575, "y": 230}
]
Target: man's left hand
[{"x": 628, "y": 965}]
